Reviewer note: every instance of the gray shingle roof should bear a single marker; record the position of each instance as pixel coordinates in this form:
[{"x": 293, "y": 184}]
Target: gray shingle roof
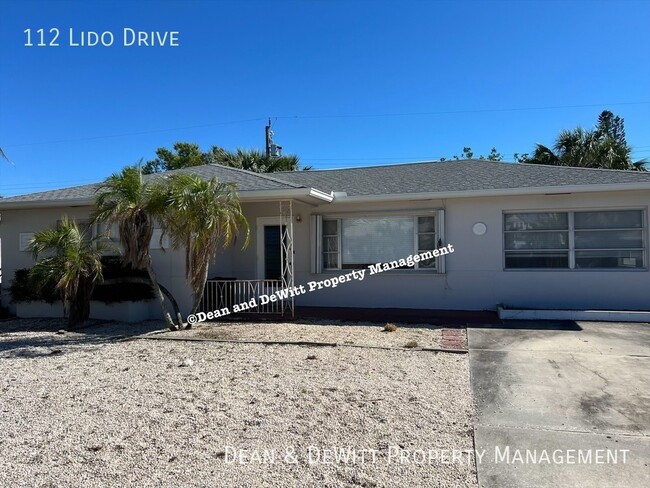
[
  {"x": 456, "y": 176},
  {"x": 71, "y": 193},
  {"x": 245, "y": 181},
  {"x": 427, "y": 177}
]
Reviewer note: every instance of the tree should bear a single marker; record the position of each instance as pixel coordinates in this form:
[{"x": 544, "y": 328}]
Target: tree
[
  {"x": 74, "y": 266},
  {"x": 201, "y": 217},
  {"x": 134, "y": 205},
  {"x": 467, "y": 153},
  {"x": 187, "y": 154},
  {"x": 612, "y": 126},
  {"x": 603, "y": 147}
]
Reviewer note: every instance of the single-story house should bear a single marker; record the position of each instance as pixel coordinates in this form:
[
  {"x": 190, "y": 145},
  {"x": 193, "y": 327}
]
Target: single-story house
[{"x": 523, "y": 236}]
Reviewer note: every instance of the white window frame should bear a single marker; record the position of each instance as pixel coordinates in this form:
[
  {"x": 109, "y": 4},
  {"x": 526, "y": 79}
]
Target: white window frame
[
  {"x": 571, "y": 250},
  {"x": 317, "y": 234}
]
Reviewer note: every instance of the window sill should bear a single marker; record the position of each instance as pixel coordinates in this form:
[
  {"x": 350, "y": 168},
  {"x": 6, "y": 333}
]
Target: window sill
[{"x": 411, "y": 272}]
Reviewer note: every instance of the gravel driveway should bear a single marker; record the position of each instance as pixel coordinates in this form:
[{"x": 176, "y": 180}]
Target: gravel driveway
[{"x": 87, "y": 410}]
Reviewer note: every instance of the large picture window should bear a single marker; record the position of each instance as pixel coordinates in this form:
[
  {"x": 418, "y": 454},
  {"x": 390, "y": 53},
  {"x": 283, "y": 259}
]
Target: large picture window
[
  {"x": 575, "y": 240},
  {"x": 358, "y": 242}
]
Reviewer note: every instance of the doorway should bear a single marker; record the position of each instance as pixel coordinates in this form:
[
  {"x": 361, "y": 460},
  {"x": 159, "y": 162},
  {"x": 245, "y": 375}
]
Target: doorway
[{"x": 270, "y": 249}]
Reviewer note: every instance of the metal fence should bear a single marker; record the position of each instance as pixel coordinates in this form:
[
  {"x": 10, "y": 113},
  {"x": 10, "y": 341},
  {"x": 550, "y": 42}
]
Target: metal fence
[{"x": 245, "y": 294}]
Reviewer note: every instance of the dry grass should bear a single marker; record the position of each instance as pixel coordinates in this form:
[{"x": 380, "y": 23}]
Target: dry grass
[
  {"x": 365, "y": 334},
  {"x": 390, "y": 327}
]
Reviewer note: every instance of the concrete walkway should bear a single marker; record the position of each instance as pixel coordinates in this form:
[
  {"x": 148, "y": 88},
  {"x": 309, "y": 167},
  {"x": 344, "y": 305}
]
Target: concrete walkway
[{"x": 560, "y": 408}]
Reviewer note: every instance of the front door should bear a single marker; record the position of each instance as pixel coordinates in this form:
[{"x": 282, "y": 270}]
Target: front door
[
  {"x": 273, "y": 252},
  {"x": 270, "y": 251}
]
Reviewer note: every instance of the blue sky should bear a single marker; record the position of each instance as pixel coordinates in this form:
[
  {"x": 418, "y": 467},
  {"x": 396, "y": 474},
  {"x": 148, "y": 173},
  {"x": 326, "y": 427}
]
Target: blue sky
[{"x": 351, "y": 83}]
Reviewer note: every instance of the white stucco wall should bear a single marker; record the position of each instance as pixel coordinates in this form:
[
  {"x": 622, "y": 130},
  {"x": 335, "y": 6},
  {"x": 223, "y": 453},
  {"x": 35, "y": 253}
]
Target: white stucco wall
[{"x": 474, "y": 278}]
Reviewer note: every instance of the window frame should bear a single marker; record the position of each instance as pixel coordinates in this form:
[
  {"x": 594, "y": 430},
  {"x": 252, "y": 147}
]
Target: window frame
[
  {"x": 24, "y": 238},
  {"x": 571, "y": 230},
  {"x": 437, "y": 214}
]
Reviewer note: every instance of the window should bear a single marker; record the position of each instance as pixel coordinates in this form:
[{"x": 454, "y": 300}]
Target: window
[
  {"x": 156, "y": 243},
  {"x": 537, "y": 240},
  {"x": 358, "y": 242},
  {"x": 90, "y": 230},
  {"x": 24, "y": 238},
  {"x": 574, "y": 240},
  {"x": 109, "y": 231},
  {"x": 331, "y": 246},
  {"x": 609, "y": 239}
]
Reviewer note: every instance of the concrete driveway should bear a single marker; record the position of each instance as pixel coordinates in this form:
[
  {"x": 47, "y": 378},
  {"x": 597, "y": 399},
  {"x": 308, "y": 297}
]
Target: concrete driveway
[{"x": 562, "y": 408}]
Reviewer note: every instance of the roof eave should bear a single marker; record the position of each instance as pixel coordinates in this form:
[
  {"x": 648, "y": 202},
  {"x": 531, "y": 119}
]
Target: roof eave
[
  {"x": 71, "y": 202},
  {"x": 306, "y": 195},
  {"x": 541, "y": 190}
]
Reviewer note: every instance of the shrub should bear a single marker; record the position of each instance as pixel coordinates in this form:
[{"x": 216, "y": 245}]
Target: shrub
[
  {"x": 4, "y": 312},
  {"x": 390, "y": 327},
  {"x": 411, "y": 344},
  {"x": 114, "y": 269},
  {"x": 22, "y": 288}
]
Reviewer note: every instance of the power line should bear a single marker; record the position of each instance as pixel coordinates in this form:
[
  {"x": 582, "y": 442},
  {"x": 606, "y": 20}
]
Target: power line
[
  {"x": 328, "y": 116},
  {"x": 451, "y": 112},
  {"x": 126, "y": 134}
]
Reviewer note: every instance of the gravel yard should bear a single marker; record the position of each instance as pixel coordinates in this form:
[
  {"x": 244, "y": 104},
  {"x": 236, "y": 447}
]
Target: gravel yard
[
  {"x": 359, "y": 334},
  {"x": 85, "y": 409}
]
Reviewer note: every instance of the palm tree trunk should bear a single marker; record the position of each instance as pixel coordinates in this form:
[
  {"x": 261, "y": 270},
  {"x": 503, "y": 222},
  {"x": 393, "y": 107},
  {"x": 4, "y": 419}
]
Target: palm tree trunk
[
  {"x": 161, "y": 298},
  {"x": 172, "y": 300},
  {"x": 198, "y": 294}
]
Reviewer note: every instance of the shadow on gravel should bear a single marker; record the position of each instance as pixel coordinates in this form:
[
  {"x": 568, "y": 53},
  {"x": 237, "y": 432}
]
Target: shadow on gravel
[
  {"x": 31, "y": 338},
  {"x": 45, "y": 344},
  {"x": 431, "y": 319}
]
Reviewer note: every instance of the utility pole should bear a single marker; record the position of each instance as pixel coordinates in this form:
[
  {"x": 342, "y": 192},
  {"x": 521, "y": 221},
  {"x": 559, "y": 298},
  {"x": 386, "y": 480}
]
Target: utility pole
[
  {"x": 269, "y": 138},
  {"x": 272, "y": 149}
]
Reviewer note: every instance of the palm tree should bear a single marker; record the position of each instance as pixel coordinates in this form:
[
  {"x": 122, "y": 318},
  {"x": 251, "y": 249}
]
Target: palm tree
[
  {"x": 603, "y": 147},
  {"x": 73, "y": 266},
  {"x": 132, "y": 204},
  {"x": 254, "y": 160},
  {"x": 202, "y": 216},
  {"x": 586, "y": 149}
]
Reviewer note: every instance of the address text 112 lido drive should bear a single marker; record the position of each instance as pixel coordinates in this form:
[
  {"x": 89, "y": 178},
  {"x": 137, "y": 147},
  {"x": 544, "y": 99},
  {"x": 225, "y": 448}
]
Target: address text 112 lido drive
[{"x": 127, "y": 37}]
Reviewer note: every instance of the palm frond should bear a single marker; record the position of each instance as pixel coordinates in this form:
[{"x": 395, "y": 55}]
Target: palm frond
[
  {"x": 73, "y": 264},
  {"x": 202, "y": 217}
]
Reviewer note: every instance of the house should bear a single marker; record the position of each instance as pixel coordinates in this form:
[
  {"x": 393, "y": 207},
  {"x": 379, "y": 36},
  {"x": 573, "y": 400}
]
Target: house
[{"x": 523, "y": 236}]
